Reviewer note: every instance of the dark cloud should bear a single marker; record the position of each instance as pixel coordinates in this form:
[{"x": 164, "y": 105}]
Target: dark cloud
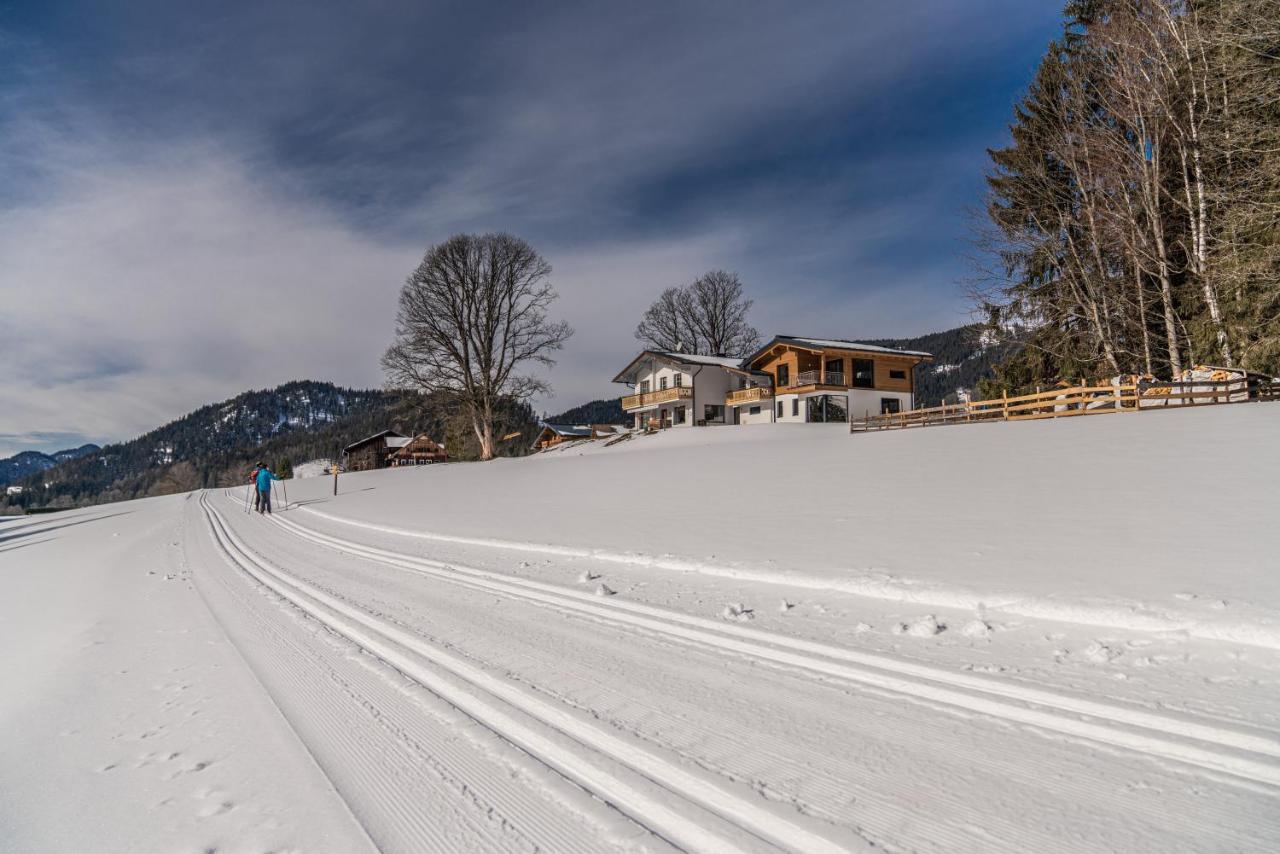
[{"x": 190, "y": 197}]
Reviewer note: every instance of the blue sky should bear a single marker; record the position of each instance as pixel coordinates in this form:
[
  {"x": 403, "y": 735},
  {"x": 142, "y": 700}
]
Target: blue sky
[{"x": 198, "y": 199}]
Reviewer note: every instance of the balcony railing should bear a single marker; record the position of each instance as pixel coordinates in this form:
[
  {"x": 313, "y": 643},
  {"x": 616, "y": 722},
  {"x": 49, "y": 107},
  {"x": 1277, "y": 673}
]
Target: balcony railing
[
  {"x": 835, "y": 378},
  {"x": 635, "y": 401},
  {"x": 748, "y": 395}
]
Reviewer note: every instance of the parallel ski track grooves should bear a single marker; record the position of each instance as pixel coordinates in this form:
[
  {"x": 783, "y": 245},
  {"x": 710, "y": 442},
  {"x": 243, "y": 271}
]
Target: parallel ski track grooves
[
  {"x": 1127, "y": 728},
  {"x": 405, "y": 652}
]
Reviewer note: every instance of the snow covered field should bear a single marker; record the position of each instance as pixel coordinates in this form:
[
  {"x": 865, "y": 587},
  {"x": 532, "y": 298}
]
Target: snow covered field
[{"x": 1053, "y": 636}]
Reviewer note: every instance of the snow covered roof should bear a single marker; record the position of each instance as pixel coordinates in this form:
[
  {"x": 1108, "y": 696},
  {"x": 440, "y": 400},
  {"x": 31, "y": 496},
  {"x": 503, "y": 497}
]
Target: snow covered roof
[
  {"x": 398, "y": 441},
  {"x": 729, "y": 362},
  {"x": 697, "y": 359},
  {"x": 840, "y": 343},
  {"x": 367, "y": 439},
  {"x": 569, "y": 429}
]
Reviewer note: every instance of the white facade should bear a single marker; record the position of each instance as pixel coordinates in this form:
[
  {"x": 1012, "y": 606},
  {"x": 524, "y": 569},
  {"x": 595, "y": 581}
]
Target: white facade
[
  {"x": 686, "y": 390},
  {"x": 677, "y": 390}
]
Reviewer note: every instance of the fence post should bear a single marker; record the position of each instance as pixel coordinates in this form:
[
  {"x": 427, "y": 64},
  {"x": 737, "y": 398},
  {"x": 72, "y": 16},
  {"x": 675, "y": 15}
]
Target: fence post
[{"x": 1004, "y": 405}]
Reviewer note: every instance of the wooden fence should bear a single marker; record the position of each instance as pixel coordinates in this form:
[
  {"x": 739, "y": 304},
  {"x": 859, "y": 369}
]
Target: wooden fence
[{"x": 1080, "y": 400}]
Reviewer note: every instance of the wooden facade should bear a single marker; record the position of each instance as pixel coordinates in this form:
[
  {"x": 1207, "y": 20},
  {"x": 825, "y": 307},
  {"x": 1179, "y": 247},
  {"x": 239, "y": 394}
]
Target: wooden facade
[
  {"x": 799, "y": 368},
  {"x": 420, "y": 450},
  {"x": 372, "y": 452}
]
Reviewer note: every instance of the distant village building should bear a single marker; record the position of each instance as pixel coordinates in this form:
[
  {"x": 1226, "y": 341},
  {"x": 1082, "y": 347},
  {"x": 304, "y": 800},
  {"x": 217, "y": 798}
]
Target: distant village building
[
  {"x": 13, "y": 490},
  {"x": 554, "y": 434},
  {"x": 420, "y": 450},
  {"x": 372, "y": 452},
  {"x": 788, "y": 379},
  {"x": 389, "y": 448}
]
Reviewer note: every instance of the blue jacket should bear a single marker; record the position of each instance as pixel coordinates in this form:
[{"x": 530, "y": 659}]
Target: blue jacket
[{"x": 264, "y": 480}]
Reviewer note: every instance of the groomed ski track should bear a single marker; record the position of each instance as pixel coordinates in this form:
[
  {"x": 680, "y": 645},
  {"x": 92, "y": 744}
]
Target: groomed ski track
[{"x": 620, "y": 769}]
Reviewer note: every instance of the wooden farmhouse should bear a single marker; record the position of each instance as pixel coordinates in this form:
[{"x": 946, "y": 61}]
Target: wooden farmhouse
[
  {"x": 805, "y": 380},
  {"x": 554, "y": 434},
  {"x": 420, "y": 450},
  {"x": 372, "y": 452}
]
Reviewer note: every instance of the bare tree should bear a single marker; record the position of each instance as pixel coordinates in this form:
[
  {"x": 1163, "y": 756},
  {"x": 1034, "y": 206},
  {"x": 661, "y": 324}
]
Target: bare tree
[
  {"x": 471, "y": 316},
  {"x": 719, "y": 314},
  {"x": 666, "y": 324},
  {"x": 707, "y": 317}
]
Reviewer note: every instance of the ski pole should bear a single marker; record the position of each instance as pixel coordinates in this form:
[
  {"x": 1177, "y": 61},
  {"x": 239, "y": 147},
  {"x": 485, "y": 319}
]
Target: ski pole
[
  {"x": 246, "y": 498},
  {"x": 285, "y": 487}
]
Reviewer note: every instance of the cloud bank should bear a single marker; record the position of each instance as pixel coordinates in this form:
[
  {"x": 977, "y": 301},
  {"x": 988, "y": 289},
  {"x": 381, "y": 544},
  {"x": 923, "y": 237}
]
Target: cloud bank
[{"x": 194, "y": 206}]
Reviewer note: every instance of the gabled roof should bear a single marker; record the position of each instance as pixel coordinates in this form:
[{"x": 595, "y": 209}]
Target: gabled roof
[
  {"x": 730, "y": 362},
  {"x": 840, "y": 343},
  {"x": 569, "y": 429},
  {"x": 380, "y": 435}
]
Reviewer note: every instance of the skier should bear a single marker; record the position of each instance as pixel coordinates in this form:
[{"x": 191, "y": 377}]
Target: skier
[
  {"x": 253, "y": 478},
  {"x": 265, "y": 476}
]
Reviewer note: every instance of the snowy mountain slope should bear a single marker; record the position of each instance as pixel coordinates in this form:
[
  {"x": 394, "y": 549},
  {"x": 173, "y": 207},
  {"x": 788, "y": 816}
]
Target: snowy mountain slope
[{"x": 668, "y": 644}]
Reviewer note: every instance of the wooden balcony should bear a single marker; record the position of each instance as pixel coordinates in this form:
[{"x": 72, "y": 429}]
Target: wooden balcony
[
  {"x": 666, "y": 395},
  {"x": 748, "y": 395}
]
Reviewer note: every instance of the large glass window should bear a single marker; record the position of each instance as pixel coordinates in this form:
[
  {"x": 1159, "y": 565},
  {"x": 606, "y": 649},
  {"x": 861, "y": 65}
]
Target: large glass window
[
  {"x": 679, "y": 415},
  {"x": 827, "y": 408},
  {"x": 835, "y": 372},
  {"x": 889, "y": 405},
  {"x": 864, "y": 373},
  {"x": 713, "y": 412},
  {"x": 784, "y": 377}
]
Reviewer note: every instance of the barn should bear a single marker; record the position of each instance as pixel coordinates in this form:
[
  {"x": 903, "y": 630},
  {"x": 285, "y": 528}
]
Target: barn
[{"x": 374, "y": 451}]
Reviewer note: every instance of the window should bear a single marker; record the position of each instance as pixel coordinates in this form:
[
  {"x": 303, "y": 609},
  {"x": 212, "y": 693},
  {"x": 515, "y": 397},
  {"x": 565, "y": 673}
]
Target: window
[
  {"x": 827, "y": 409},
  {"x": 864, "y": 373},
  {"x": 890, "y": 405},
  {"x": 779, "y": 409},
  {"x": 897, "y": 375},
  {"x": 662, "y": 383},
  {"x": 755, "y": 410},
  {"x": 644, "y": 386},
  {"x": 713, "y": 412},
  {"x": 679, "y": 380},
  {"x": 835, "y": 372},
  {"x": 795, "y": 406},
  {"x": 679, "y": 416},
  {"x": 742, "y": 383},
  {"x": 784, "y": 377}
]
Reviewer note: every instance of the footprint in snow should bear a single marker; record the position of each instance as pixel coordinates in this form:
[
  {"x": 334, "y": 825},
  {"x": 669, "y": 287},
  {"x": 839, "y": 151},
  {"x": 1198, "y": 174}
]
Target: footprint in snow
[
  {"x": 587, "y": 576},
  {"x": 604, "y": 590},
  {"x": 736, "y": 611}
]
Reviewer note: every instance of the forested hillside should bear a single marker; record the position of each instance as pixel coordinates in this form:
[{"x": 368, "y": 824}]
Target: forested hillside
[
  {"x": 963, "y": 357},
  {"x": 606, "y": 411},
  {"x": 217, "y": 444},
  {"x": 27, "y": 463}
]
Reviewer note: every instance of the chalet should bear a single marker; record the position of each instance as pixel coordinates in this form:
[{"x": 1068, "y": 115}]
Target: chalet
[
  {"x": 788, "y": 379},
  {"x": 420, "y": 450},
  {"x": 554, "y": 434},
  {"x": 677, "y": 389},
  {"x": 374, "y": 451},
  {"x": 824, "y": 379}
]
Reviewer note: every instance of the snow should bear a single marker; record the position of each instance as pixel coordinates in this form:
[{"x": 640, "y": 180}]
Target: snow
[
  {"x": 741, "y": 639},
  {"x": 313, "y": 468}
]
